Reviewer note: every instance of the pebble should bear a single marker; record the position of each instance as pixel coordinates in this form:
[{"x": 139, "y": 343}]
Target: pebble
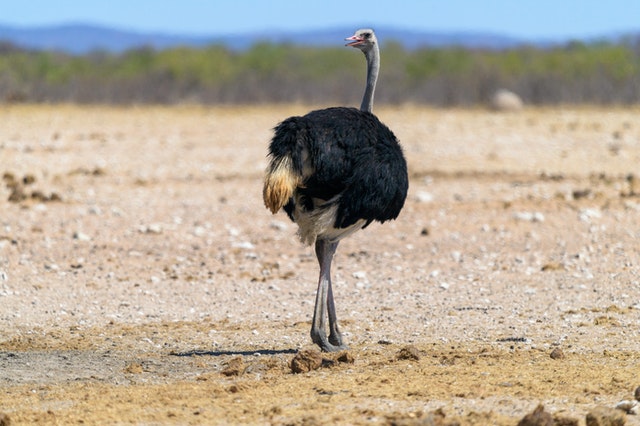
[
  {"x": 278, "y": 225},
  {"x": 5, "y": 420},
  {"x": 529, "y": 216},
  {"x": 233, "y": 231},
  {"x": 153, "y": 228},
  {"x": 345, "y": 357},
  {"x": 424, "y": 197},
  {"x": 359, "y": 275},
  {"x": 629, "y": 407},
  {"x": 601, "y": 416},
  {"x": 537, "y": 417},
  {"x": 586, "y": 215},
  {"x": 305, "y": 361},
  {"x": 244, "y": 245},
  {"x": 632, "y": 205},
  {"x": 199, "y": 231},
  {"x": 80, "y": 236},
  {"x": 95, "y": 210},
  {"x": 234, "y": 367},
  {"x": 409, "y": 353}
]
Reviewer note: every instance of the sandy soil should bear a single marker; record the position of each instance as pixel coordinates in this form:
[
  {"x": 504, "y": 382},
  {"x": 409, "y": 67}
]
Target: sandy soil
[{"x": 142, "y": 280}]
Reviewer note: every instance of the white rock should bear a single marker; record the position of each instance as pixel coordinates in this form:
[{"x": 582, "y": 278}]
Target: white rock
[
  {"x": 506, "y": 100},
  {"x": 360, "y": 275},
  {"x": 424, "y": 197},
  {"x": 529, "y": 216},
  {"x": 154, "y": 228},
  {"x": 278, "y": 225},
  {"x": 629, "y": 407},
  {"x": 199, "y": 231},
  {"x": 80, "y": 236},
  {"x": 244, "y": 245},
  {"x": 587, "y": 214}
]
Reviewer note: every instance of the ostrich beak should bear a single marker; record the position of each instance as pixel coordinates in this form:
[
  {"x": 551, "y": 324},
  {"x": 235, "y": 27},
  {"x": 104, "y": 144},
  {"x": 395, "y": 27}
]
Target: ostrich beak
[{"x": 355, "y": 40}]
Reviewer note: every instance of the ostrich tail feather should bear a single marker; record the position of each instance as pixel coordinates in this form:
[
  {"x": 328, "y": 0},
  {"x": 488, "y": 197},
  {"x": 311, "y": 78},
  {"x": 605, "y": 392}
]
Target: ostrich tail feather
[{"x": 279, "y": 183}]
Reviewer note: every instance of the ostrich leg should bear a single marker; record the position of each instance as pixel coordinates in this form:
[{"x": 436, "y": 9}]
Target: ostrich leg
[{"x": 324, "y": 302}]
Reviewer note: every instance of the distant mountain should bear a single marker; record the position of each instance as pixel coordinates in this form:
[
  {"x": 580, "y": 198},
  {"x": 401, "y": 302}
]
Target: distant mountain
[
  {"x": 84, "y": 38},
  {"x": 408, "y": 38}
]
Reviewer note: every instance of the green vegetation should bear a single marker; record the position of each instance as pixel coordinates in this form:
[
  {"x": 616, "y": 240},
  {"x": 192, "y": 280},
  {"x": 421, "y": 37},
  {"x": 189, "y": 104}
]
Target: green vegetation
[{"x": 602, "y": 73}]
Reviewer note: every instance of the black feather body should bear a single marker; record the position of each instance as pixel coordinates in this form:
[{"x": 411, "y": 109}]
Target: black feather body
[{"x": 349, "y": 162}]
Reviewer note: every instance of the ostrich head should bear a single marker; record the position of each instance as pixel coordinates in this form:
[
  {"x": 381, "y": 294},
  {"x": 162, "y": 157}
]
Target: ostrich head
[{"x": 363, "y": 39}]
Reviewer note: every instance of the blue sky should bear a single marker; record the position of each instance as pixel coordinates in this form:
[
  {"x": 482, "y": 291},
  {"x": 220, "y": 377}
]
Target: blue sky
[{"x": 547, "y": 19}]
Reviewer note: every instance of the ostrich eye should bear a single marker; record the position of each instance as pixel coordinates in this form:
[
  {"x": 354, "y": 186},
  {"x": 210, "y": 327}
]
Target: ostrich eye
[{"x": 366, "y": 35}]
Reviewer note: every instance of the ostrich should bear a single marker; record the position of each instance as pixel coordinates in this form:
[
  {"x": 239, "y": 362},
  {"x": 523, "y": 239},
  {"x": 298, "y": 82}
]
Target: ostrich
[{"x": 334, "y": 171}]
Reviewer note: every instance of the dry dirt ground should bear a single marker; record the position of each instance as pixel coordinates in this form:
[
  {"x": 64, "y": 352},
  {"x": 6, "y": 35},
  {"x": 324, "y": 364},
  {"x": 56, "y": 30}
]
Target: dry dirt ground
[{"x": 142, "y": 281}]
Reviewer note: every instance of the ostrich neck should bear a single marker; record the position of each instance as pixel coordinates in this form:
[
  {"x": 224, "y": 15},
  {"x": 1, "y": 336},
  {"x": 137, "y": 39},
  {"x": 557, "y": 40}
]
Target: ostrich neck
[{"x": 373, "y": 66}]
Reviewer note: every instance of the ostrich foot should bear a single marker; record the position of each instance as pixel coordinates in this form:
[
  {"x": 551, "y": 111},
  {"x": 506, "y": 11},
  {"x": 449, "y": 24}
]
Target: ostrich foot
[{"x": 332, "y": 344}]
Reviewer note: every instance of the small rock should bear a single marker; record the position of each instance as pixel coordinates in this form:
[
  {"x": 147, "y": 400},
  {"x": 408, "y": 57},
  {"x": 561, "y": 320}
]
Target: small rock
[
  {"x": 529, "y": 216},
  {"x": 630, "y": 205},
  {"x": 506, "y": 100},
  {"x": 81, "y": 236},
  {"x": 629, "y": 407},
  {"x": 581, "y": 193},
  {"x": 557, "y": 353},
  {"x": 5, "y": 420},
  {"x": 28, "y": 179},
  {"x": 360, "y": 275},
  {"x": 636, "y": 394},
  {"x": 306, "y": 360},
  {"x": 199, "y": 231},
  {"x": 278, "y": 225},
  {"x": 585, "y": 215},
  {"x": 9, "y": 178},
  {"x": 39, "y": 196},
  {"x": 234, "y": 367},
  {"x": 537, "y": 417},
  {"x": 424, "y": 197},
  {"x": 409, "y": 352},
  {"x": 345, "y": 357},
  {"x": 153, "y": 228},
  {"x": 552, "y": 266},
  {"x": 564, "y": 421},
  {"x": 605, "y": 416},
  {"x": 54, "y": 196},
  {"x": 17, "y": 194},
  {"x": 245, "y": 245}
]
